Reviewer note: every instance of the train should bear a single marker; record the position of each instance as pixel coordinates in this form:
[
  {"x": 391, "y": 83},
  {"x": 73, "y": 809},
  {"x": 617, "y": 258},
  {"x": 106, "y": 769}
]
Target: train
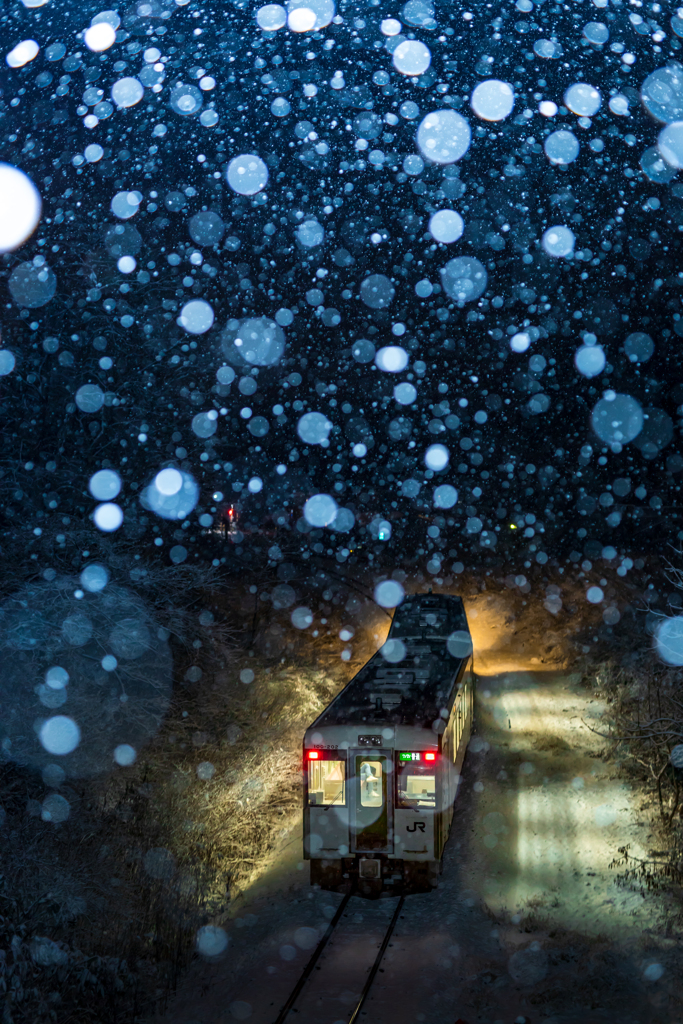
[{"x": 382, "y": 763}]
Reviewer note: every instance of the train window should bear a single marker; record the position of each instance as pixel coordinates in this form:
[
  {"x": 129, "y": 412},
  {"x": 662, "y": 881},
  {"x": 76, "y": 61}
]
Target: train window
[
  {"x": 370, "y": 775},
  {"x": 416, "y": 785},
  {"x": 326, "y": 783}
]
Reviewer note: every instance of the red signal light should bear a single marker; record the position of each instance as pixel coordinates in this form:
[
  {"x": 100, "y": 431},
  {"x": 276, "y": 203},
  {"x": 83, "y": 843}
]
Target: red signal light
[
  {"x": 313, "y": 755},
  {"x": 430, "y": 757}
]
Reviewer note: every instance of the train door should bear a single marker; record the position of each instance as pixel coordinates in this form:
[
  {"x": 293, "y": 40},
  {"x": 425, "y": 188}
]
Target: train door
[{"x": 371, "y": 811}]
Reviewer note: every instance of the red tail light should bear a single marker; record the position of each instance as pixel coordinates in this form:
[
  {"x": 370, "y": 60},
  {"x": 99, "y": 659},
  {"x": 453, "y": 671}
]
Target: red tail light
[
  {"x": 430, "y": 757},
  {"x": 313, "y": 755}
]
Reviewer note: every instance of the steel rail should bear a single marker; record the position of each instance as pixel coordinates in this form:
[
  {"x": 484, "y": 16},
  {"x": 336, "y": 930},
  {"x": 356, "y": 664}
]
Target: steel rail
[
  {"x": 378, "y": 961},
  {"x": 308, "y": 969}
]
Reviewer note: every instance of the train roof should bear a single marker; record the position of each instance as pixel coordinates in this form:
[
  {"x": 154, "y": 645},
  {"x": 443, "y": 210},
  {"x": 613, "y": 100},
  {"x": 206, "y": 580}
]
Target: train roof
[{"x": 434, "y": 632}]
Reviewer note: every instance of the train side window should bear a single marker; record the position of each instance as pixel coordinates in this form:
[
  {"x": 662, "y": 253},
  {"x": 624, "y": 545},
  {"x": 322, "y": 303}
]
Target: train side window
[
  {"x": 370, "y": 775},
  {"x": 416, "y": 786},
  {"x": 326, "y": 783}
]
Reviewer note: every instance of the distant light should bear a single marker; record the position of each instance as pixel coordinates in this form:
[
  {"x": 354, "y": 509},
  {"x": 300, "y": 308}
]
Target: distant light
[{"x": 513, "y": 526}]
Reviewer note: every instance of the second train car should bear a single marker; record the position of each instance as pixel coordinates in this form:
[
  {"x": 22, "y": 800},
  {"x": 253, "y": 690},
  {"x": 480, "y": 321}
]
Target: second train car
[{"x": 382, "y": 762}]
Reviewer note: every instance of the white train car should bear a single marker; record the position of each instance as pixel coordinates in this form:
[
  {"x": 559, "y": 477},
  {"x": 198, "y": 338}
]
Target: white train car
[{"x": 382, "y": 762}]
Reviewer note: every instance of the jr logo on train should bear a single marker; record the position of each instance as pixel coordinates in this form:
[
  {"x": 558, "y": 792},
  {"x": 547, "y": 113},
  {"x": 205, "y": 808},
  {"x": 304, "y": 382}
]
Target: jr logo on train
[{"x": 382, "y": 762}]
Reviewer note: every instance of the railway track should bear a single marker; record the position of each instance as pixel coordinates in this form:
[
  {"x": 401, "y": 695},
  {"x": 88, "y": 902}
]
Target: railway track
[{"x": 289, "y": 1010}]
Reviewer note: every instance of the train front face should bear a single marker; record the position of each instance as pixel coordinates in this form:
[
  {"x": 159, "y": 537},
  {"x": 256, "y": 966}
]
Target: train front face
[{"x": 374, "y": 808}]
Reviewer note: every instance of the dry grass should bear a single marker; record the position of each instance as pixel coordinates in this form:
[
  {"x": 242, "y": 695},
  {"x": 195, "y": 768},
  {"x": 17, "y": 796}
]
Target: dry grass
[{"x": 646, "y": 703}]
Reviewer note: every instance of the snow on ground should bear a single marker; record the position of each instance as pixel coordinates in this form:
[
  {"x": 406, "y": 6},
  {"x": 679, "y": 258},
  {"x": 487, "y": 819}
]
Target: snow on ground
[{"x": 528, "y": 921}]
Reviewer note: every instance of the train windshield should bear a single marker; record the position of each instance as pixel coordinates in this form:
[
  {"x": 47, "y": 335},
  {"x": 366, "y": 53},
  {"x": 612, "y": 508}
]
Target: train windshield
[
  {"x": 326, "y": 783},
  {"x": 416, "y": 785},
  {"x": 420, "y": 622}
]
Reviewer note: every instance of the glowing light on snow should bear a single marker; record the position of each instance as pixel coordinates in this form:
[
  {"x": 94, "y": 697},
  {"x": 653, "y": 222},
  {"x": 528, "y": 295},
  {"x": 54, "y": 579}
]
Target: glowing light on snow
[
  {"x": 669, "y": 640},
  {"x": 23, "y": 53},
  {"x": 377, "y": 291},
  {"x": 127, "y": 92},
  {"x": 211, "y": 940},
  {"x": 320, "y": 510},
  {"x": 105, "y": 484},
  {"x": 247, "y": 174},
  {"x": 437, "y": 457},
  {"x": 390, "y": 27},
  {"x": 639, "y": 347},
  {"x": 99, "y": 37},
  {"x": 7, "y": 362},
  {"x": 412, "y": 57},
  {"x": 59, "y": 735},
  {"x": 108, "y": 517},
  {"x": 389, "y": 593},
  {"x": 583, "y": 99},
  {"x": 617, "y": 419},
  {"x": 459, "y": 644},
  {"x": 125, "y": 755},
  {"x": 301, "y": 19},
  {"x": 323, "y": 12},
  {"x": 56, "y": 677},
  {"x": 196, "y": 317},
  {"x": 670, "y": 144},
  {"x": 662, "y": 93},
  {"x": 393, "y": 651},
  {"x": 271, "y": 17},
  {"x": 313, "y": 428},
  {"x": 445, "y": 496},
  {"x": 391, "y": 359},
  {"x": 310, "y": 233},
  {"x": 20, "y": 207},
  {"x": 89, "y": 398},
  {"x": 590, "y": 360},
  {"x": 170, "y": 497},
  {"x": 126, "y": 264},
  {"x": 493, "y": 100},
  {"x": 126, "y": 204},
  {"x": 520, "y": 342},
  {"x": 168, "y": 481},
  {"x": 596, "y": 33},
  {"x": 464, "y": 279},
  {"x": 446, "y": 226},
  {"x": 558, "y": 241},
  {"x": 561, "y": 147},
  {"x": 94, "y": 578},
  {"x": 405, "y": 393},
  {"x": 301, "y": 618},
  {"x": 443, "y": 136}
]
